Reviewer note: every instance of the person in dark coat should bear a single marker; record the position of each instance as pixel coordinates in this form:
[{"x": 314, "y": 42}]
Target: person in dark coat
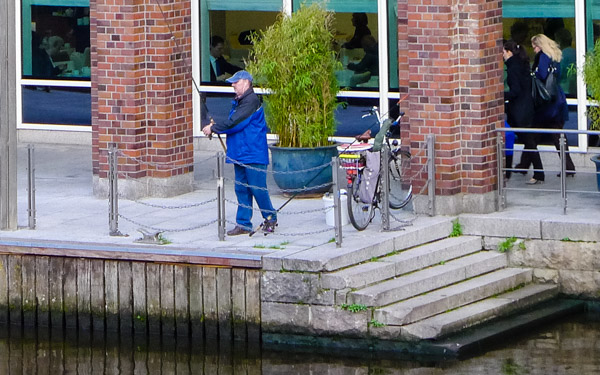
[
  {"x": 359, "y": 21},
  {"x": 553, "y": 114},
  {"x": 369, "y": 65},
  {"x": 519, "y": 109},
  {"x": 220, "y": 69}
]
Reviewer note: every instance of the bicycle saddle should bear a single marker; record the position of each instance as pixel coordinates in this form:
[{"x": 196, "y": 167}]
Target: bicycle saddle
[{"x": 364, "y": 137}]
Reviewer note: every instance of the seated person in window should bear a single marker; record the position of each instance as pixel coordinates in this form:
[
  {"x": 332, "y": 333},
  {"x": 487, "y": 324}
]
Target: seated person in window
[
  {"x": 220, "y": 69},
  {"x": 359, "y": 21},
  {"x": 43, "y": 57},
  {"x": 369, "y": 65}
]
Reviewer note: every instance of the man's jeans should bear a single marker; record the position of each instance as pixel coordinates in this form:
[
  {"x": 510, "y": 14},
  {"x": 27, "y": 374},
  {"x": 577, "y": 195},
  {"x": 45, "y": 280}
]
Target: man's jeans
[{"x": 255, "y": 176}]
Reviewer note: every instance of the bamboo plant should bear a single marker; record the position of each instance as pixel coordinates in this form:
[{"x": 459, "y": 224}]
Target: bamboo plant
[{"x": 295, "y": 61}]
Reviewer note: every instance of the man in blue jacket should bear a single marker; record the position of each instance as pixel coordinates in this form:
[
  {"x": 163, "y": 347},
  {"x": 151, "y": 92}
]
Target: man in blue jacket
[{"x": 247, "y": 150}]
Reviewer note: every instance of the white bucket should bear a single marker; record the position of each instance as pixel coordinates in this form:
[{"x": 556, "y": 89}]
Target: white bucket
[{"x": 330, "y": 213}]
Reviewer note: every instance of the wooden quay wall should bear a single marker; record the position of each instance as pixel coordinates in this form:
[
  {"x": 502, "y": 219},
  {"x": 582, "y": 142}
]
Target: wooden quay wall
[{"x": 135, "y": 291}]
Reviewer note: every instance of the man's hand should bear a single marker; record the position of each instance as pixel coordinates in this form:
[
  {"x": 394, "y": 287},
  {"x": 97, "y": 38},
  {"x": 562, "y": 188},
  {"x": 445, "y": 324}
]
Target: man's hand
[{"x": 207, "y": 130}]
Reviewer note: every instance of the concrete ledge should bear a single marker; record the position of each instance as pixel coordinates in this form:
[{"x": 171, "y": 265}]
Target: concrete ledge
[
  {"x": 576, "y": 230},
  {"x": 485, "y": 225}
]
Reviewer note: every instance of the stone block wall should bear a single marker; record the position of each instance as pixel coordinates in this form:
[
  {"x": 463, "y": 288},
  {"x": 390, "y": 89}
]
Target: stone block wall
[{"x": 142, "y": 94}]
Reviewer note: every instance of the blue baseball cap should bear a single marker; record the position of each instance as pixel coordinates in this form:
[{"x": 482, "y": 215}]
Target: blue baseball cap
[{"x": 242, "y": 74}]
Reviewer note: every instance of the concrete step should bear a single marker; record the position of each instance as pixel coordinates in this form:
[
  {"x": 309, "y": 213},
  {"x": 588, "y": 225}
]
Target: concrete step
[
  {"x": 428, "y": 279},
  {"x": 409, "y": 260},
  {"x": 478, "y": 312},
  {"x": 451, "y": 297},
  {"x": 358, "y": 247}
]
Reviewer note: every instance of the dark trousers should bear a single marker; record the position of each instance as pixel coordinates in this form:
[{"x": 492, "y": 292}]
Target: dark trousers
[{"x": 531, "y": 155}]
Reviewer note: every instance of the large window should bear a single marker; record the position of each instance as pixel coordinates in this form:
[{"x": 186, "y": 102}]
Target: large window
[
  {"x": 224, "y": 27},
  {"x": 55, "y": 62}
]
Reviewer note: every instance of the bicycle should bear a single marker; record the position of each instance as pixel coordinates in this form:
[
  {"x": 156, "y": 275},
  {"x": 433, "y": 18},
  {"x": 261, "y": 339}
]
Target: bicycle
[{"x": 362, "y": 163}]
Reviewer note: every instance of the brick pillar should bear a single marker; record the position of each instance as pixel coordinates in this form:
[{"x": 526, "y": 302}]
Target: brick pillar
[
  {"x": 142, "y": 95},
  {"x": 455, "y": 93}
]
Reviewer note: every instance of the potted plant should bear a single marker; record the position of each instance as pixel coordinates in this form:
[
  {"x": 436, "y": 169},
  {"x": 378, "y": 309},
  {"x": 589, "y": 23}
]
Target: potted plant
[
  {"x": 295, "y": 61},
  {"x": 591, "y": 77}
]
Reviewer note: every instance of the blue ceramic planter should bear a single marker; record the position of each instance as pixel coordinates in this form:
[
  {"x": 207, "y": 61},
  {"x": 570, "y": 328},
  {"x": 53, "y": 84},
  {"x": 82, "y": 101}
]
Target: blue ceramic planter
[
  {"x": 596, "y": 159},
  {"x": 287, "y": 161}
]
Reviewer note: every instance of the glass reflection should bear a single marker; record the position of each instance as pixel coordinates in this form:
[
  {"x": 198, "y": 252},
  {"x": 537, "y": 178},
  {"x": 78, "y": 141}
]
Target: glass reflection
[{"x": 57, "y": 105}]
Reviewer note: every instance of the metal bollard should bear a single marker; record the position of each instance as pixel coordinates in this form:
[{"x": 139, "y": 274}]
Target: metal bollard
[
  {"x": 385, "y": 186},
  {"x": 221, "y": 195},
  {"x": 337, "y": 207},
  {"x": 31, "y": 186},
  {"x": 113, "y": 191},
  {"x": 431, "y": 173},
  {"x": 563, "y": 172},
  {"x": 499, "y": 160}
]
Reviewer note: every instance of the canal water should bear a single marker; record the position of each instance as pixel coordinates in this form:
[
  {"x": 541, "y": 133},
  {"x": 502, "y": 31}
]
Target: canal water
[{"x": 571, "y": 346}]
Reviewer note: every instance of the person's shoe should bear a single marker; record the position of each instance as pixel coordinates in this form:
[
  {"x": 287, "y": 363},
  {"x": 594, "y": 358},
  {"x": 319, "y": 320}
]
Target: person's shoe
[
  {"x": 533, "y": 181},
  {"x": 237, "y": 231},
  {"x": 569, "y": 174},
  {"x": 269, "y": 226}
]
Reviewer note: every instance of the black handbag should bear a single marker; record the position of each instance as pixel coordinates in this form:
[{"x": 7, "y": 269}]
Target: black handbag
[{"x": 544, "y": 92}]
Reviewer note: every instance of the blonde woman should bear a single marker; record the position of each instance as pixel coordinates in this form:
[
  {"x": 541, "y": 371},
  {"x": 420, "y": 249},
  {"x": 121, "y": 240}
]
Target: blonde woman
[{"x": 553, "y": 114}]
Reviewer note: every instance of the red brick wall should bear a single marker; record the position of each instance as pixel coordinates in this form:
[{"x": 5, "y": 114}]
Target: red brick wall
[
  {"x": 455, "y": 89},
  {"x": 141, "y": 86}
]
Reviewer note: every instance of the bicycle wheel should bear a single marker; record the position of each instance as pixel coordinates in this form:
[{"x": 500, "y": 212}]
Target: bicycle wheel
[
  {"x": 360, "y": 213},
  {"x": 400, "y": 185}
]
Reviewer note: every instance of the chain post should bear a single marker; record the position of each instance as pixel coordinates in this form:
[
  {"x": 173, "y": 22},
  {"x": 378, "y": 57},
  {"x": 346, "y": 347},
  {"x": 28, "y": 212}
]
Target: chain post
[
  {"x": 337, "y": 207},
  {"x": 499, "y": 161},
  {"x": 431, "y": 173},
  {"x": 563, "y": 174},
  {"x": 113, "y": 191},
  {"x": 385, "y": 187},
  {"x": 31, "y": 186},
  {"x": 221, "y": 195}
]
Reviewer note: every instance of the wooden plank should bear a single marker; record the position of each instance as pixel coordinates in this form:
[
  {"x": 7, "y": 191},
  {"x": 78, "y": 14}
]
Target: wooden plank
[
  {"x": 15, "y": 289},
  {"x": 97, "y": 302},
  {"x": 84, "y": 308},
  {"x": 167, "y": 300},
  {"x": 140, "y": 313},
  {"x": 43, "y": 355},
  {"x": 140, "y": 357},
  {"x": 253, "y": 306},
  {"x": 99, "y": 354},
  {"x": 70, "y": 294},
  {"x": 41, "y": 291},
  {"x": 224, "y": 309},
  {"x": 84, "y": 352},
  {"x": 4, "y": 348},
  {"x": 182, "y": 359},
  {"x": 55, "y": 292},
  {"x": 4, "y": 289},
  {"x": 15, "y": 357},
  {"x": 29, "y": 359},
  {"x": 57, "y": 354},
  {"x": 182, "y": 305},
  {"x": 111, "y": 295},
  {"x": 196, "y": 305},
  {"x": 125, "y": 299},
  {"x": 238, "y": 303},
  {"x": 209, "y": 295},
  {"x": 153, "y": 297},
  {"x": 29, "y": 303}
]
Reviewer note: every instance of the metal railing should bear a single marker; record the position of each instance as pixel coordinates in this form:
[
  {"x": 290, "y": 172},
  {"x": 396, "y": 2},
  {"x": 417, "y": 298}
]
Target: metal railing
[{"x": 563, "y": 151}]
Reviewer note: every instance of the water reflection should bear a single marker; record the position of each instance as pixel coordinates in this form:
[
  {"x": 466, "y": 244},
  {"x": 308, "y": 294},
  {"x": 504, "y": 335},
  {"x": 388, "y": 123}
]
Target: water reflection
[{"x": 568, "y": 347}]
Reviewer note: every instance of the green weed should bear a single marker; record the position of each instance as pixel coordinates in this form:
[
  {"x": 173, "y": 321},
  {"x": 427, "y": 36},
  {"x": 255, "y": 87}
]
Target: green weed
[
  {"x": 507, "y": 245},
  {"x": 456, "y": 229}
]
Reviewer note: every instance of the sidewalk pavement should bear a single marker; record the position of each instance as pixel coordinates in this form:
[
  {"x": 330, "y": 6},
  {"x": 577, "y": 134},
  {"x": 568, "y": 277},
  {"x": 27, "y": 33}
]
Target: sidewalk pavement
[{"x": 67, "y": 211}]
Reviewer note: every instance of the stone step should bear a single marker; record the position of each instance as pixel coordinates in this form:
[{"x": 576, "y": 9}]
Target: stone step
[
  {"x": 470, "y": 315},
  {"x": 451, "y": 297},
  {"x": 432, "y": 278},
  {"x": 358, "y": 247},
  {"x": 409, "y": 260}
]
